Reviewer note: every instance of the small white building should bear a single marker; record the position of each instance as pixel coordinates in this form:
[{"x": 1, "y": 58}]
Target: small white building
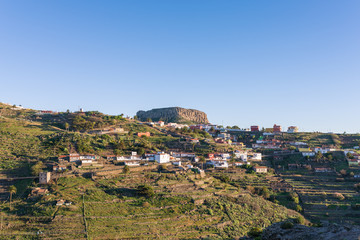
[
  {"x": 162, "y": 157},
  {"x": 256, "y": 157},
  {"x": 225, "y": 155},
  {"x": 241, "y": 155},
  {"x": 219, "y": 164},
  {"x": 177, "y": 163},
  {"x": 308, "y": 154},
  {"x": 260, "y": 169},
  {"x": 86, "y": 161},
  {"x": 131, "y": 163},
  {"x": 224, "y": 135},
  {"x": 237, "y": 164},
  {"x": 324, "y": 150},
  {"x": 149, "y": 157}
]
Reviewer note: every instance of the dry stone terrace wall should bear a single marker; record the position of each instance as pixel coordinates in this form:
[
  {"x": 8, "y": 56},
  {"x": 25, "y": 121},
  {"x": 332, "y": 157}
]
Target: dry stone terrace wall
[{"x": 174, "y": 114}]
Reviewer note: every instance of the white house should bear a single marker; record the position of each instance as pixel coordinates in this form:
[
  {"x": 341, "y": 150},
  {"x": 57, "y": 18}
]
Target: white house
[
  {"x": 224, "y": 135},
  {"x": 241, "y": 155},
  {"x": 86, "y": 161},
  {"x": 149, "y": 157},
  {"x": 256, "y": 157},
  {"x": 225, "y": 155},
  {"x": 162, "y": 157},
  {"x": 219, "y": 164},
  {"x": 132, "y": 163},
  {"x": 129, "y": 158},
  {"x": 237, "y": 164},
  {"x": 308, "y": 154},
  {"x": 324, "y": 150},
  {"x": 87, "y": 157},
  {"x": 260, "y": 169}
]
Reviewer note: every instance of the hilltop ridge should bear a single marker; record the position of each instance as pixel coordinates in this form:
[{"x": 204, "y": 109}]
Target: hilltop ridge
[{"x": 174, "y": 114}]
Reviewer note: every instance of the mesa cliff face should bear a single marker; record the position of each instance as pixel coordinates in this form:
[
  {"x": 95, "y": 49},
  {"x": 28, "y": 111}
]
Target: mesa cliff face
[{"x": 174, "y": 114}]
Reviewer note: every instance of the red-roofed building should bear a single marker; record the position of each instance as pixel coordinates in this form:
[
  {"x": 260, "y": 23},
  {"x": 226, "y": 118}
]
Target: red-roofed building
[
  {"x": 193, "y": 127},
  {"x": 276, "y": 128},
  {"x": 140, "y": 134},
  {"x": 254, "y": 128}
]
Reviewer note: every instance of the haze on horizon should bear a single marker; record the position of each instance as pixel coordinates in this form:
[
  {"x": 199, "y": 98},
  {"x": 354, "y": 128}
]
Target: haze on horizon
[{"x": 241, "y": 62}]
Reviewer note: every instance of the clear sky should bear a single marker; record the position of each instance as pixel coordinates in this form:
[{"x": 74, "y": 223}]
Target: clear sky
[{"x": 242, "y": 62}]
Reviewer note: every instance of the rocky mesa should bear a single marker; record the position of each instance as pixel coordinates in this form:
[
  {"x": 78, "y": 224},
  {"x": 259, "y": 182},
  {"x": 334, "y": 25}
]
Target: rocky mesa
[{"x": 174, "y": 114}]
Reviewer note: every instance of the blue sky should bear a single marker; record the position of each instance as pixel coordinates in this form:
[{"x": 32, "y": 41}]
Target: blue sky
[{"x": 241, "y": 62}]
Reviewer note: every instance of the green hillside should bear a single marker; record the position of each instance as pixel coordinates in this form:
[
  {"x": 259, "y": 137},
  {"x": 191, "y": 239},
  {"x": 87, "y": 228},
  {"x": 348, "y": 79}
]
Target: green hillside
[{"x": 182, "y": 207}]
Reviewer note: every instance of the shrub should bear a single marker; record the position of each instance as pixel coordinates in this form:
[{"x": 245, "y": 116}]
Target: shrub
[
  {"x": 224, "y": 178},
  {"x": 357, "y": 187},
  {"x": 145, "y": 190},
  {"x": 162, "y": 167},
  {"x": 300, "y": 220},
  {"x": 250, "y": 189},
  {"x": 265, "y": 192},
  {"x": 126, "y": 169},
  {"x": 255, "y": 232},
  {"x": 339, "y": 196},
  {"x": 298, "y": 208},
  {"x": 323, "y": 195},
  {"x": 146, "y": 204},
  {"x": 287, "y": 225},
  {"x": 355, "y": 206}
]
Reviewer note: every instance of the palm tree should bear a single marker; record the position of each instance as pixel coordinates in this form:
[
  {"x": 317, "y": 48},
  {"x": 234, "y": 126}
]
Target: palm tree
[
  {"x": 67, "y": 126},
  {"x": 202, "y": 160},
  {"x": 12, "y": 190}
]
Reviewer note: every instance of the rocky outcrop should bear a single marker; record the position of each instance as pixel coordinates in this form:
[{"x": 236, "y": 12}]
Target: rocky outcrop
[
  {"x": 300, "y": 232},
  {"x": 174, "y": 114}
]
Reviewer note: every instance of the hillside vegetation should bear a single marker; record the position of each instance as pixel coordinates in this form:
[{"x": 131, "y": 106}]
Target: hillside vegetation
[{"x": 181, "y": 207}]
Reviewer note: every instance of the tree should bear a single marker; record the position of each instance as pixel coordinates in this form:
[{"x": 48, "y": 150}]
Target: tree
[
  {"x": 265, "y": 192},
  {"x": 349, "y": 155},
  {"x": 145, "y": 190},
  {"x": 126, "y": 169},
  {"x": 37, "y": 168},
  {"x": 250, "y": 188},
  {"x": 120, "y": 145},
  {"x": 148, "y": 120},
  {"x": 12, "y": 190},
  {"x": 162, "y": 167},
  {"x": 141, "y": 151},
  {"x": 202, "y": 160},
  {"x": 318, "y": 156},
  {"x": 357, "y": 187},
  {"x": 67, "y": 126}
]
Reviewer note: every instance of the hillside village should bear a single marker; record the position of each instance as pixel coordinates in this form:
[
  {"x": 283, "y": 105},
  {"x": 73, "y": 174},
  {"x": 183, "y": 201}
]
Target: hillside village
[{"x": 313, "y": 174}]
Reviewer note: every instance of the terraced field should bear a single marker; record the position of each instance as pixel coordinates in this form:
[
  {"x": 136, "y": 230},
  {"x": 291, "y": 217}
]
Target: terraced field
[
  {"x": 317, "y": 194},
  {"x": 184, "y": 206}
]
